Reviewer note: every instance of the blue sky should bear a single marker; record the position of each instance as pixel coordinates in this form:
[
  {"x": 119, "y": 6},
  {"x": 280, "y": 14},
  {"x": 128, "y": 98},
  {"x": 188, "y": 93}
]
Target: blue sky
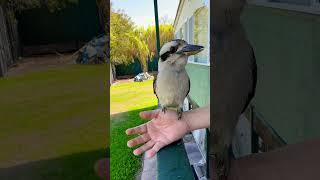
[{"x": 142, "y": 11}]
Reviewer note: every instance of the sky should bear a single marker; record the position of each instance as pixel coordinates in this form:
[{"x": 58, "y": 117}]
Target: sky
[{"x": 142, "y": 11}]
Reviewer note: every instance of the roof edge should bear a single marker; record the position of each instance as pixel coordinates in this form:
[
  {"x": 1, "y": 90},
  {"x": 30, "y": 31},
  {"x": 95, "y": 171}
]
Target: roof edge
[{"x": 178, "y": 13}]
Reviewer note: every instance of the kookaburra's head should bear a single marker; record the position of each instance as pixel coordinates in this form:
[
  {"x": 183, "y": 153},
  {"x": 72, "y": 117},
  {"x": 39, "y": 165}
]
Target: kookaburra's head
[{"x": 174, "y": 54}]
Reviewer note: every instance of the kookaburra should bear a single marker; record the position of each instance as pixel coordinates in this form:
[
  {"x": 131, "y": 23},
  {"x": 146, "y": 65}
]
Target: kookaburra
[
  {"x": 234, "y": 80},
  {"x": 172, "y": 83}
]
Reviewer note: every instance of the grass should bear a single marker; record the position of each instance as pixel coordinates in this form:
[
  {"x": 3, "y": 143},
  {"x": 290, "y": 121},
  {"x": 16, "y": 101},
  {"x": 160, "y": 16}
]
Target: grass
[
  {"x": 127, "y": 100},
  {"x": 53, "y": 123}
]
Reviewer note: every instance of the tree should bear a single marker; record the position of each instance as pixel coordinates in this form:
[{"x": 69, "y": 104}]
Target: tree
[
  {"x": 121, "y": 27},
  {"x": 128, "y": 42},
  {"x": 166, "y": 34},
  {"x": 139, "y": 47}
]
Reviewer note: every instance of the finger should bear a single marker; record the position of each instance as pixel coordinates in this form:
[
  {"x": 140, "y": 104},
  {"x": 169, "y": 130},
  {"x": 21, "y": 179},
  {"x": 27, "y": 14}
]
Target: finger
[
  {"x": 150, "y": 153},
  {"x": 143, "y": 148},
  {"x": 138, "y": 140},
  {"x": 149, "y": 114},
  {"x": 137, "y": 130}
]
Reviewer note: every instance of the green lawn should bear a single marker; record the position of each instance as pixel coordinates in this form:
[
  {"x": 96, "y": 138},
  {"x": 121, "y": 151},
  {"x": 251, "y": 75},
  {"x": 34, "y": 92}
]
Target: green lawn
[
  {"x": 53, "y": 123},
  {"x": 127, "y": 100}
]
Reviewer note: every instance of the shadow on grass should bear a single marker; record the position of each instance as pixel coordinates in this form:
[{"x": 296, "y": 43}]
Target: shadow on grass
[
  {"x": 124, "y": 165},
  {"x": 74, "y": 166}
]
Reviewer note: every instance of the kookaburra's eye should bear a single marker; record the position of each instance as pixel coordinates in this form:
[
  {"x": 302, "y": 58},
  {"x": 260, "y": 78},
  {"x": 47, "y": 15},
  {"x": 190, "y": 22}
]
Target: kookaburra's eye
[{"x": 173, "y": 49}]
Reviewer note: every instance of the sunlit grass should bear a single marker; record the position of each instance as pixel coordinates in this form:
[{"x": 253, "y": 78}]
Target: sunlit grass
[
  {"x": 132, "y": 96},
  {"x": 127, "y": 100}
]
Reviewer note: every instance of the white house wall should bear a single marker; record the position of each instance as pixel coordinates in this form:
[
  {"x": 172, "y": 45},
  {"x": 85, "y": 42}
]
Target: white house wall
[{"x": 186, "y": 10}]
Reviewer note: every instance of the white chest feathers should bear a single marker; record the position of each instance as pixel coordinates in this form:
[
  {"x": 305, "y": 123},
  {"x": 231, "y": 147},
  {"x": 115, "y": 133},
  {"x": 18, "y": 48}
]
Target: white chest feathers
[{"x": 172, "y": 87}]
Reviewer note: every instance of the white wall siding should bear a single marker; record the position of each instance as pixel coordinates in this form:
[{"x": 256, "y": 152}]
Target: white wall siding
[{"x": 187, "y": 9}]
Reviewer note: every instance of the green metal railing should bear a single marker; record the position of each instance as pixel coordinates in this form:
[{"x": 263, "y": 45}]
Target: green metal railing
[{"x": 173, "y": 163}]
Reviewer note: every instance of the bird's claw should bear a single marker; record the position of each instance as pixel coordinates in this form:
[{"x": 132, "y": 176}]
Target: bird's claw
[
  {"x": 179, "y": 112},
  {"x": 164, "y": 109}
]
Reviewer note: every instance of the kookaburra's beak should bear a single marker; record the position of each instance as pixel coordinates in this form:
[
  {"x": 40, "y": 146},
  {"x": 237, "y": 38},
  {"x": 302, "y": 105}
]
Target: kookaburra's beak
[{"x": 190, "y": 49}]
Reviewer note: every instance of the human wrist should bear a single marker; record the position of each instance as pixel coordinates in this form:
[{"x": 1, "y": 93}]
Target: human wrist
[
  {"x": 188, "y": 121},
  {"x": 197, "y": 119}
]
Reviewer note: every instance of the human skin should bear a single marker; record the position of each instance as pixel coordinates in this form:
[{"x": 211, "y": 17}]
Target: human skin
[
  {"x": 295, "y": 161},
  {"x": 163, "y": 129}
]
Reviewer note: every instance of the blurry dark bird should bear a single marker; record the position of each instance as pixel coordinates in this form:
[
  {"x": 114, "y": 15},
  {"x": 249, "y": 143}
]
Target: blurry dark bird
[{"x": 234, "y": 82}]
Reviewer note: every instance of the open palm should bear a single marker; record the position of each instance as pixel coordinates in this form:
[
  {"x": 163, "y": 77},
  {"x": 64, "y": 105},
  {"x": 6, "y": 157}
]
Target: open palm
[{"x": 161, "y": 130}]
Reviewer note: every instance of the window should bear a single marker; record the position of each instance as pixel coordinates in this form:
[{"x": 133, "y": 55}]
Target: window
[
  {"x": 185, "y": 31},
  {"x": 180, "y": 33},
  {"x": 195, "y": 30},
  {"x": 190, "y": 32},
  {"x": 176, "y": 35},
  {"x": 190, "y": 35},
  {"x": 200, "y": 34}
]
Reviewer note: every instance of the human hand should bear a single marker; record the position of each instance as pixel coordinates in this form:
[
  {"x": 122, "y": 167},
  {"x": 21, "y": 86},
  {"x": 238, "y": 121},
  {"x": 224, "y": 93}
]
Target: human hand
[{"x": 162, "y": 130}]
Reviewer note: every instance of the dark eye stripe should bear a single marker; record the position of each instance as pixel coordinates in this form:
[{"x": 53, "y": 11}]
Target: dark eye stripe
[
  {"x": 173, "y": 49},
  {"x": 165, "y": 56}
]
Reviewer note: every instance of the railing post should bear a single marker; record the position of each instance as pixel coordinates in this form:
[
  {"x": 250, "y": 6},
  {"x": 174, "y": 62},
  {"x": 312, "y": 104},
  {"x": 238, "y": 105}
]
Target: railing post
[{"x": 157, "y": 26}]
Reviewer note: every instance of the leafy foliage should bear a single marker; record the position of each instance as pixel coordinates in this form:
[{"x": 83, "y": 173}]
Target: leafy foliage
[
  {"x": 127, "y": 100},
  {"x": 128, "y": 42},
  {"x": 120, "y": 28},
  {"x": 139, "y": 48},
  {"x": 166, "y": 34}
]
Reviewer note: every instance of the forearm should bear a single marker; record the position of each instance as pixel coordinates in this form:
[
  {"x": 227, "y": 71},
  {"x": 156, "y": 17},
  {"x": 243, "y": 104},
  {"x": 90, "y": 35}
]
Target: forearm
[
  {"x": 198, "y": 118},
  {"x": 282, "y": 163}
]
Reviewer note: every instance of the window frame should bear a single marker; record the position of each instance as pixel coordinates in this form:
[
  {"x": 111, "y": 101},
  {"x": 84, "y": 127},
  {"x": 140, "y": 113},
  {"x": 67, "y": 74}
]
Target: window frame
[
  {"x": 186, "y": 36},
  {"x": 191, "y": 59},
  {"x": 313, "y": 8},
  {"x": 190, "y": 40}
]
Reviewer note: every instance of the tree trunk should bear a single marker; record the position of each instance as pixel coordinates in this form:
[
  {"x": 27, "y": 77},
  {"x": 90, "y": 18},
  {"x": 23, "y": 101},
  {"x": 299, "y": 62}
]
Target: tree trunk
[
  {"x": 114, "y": 74},
  {"x": 144, "y": 66},
  {"x": 111, "y": 75}
]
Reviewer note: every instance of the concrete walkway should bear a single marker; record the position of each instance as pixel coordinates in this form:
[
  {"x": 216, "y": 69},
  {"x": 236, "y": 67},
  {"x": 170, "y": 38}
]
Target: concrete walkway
[{"x": 149, "y": 168}]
